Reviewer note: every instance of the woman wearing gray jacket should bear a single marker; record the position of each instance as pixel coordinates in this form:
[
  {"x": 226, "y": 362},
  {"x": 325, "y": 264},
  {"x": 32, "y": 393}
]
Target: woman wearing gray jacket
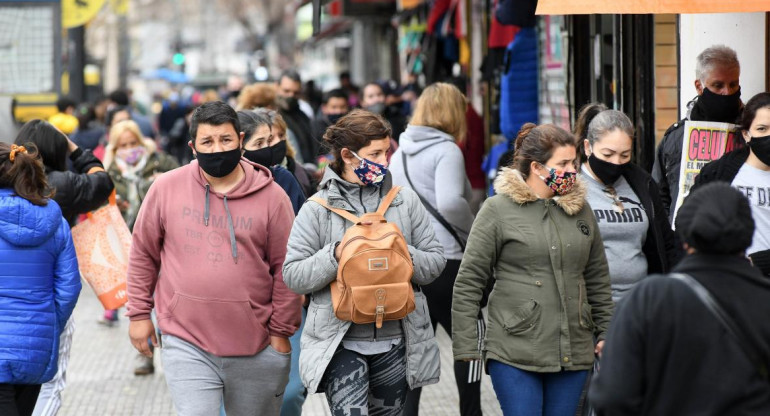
[
  {"x": 430, "y": 162},
  {"x": 400, "y": 355}
]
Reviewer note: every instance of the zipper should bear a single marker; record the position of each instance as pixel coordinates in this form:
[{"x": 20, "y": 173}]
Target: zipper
[
  {"x": 360, "y": 237},
  {"x": 580, "y": 303},
  {"x": 361, "y": 198}
]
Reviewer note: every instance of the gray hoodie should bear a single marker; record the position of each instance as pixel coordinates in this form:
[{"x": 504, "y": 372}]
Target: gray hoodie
[{"x": 437, "y": 171}]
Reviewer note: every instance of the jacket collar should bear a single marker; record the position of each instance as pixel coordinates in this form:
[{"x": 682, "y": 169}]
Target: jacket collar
[
  {"x": 340, "y": 193},
  {"x": 511, "y": 184}
]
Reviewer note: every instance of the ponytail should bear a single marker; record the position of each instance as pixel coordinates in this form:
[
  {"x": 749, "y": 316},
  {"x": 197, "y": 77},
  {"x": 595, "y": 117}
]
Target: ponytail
[{"x": 22, "y": 170}]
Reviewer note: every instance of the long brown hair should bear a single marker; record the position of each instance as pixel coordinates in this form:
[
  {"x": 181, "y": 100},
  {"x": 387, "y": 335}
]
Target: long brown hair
[
  {"x": 537, "y": 143},
  {"x": 25, "y": 173},
  {"x": 353, "y": 132}
]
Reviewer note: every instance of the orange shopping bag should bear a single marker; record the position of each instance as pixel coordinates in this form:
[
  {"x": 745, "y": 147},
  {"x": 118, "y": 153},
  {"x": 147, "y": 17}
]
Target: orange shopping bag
[{"x": 102, "y": 243}]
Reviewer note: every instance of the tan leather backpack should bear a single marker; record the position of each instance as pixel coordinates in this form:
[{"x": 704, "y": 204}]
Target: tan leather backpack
[{"x": 375, "y": 268}]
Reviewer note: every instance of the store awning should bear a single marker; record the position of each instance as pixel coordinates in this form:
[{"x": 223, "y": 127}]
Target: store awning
[{"x": 557, "y": 7}]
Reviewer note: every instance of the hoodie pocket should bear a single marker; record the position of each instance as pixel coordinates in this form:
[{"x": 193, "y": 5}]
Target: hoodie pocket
[
  {"x": 221, "y": 327},
  {"x": 585, "y": 317},
  {"x": 522, "y": 319}
]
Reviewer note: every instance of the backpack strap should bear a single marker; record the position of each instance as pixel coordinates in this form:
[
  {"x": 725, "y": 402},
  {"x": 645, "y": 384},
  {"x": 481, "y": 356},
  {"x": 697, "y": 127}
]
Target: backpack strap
[
  {"x": 341, "y": 212},
  {"x": 389, "y": 197}
]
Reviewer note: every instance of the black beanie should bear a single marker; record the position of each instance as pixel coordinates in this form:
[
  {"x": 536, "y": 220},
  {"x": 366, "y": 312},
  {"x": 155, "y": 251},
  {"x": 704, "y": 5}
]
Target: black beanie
[{"x": 716, "y": 219}]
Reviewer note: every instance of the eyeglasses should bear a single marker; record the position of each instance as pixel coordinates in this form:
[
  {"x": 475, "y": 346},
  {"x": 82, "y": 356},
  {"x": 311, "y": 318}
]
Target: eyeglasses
[{"x": 611, "y": 193}]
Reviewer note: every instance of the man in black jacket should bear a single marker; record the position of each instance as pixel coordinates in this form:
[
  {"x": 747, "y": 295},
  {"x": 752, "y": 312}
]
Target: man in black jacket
[
  {"x": 666, "y": 353},
  {"x": 717, "y": 83},
  {"x": 288, "y": 91}
]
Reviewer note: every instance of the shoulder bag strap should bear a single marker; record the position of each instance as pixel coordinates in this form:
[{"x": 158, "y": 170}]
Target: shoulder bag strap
[
  {"x": 389, "y": 197},
  {"x": 433, "y": 211},
  {"x": 732, "y": 328},
  {"x": 341, "y": 212}
]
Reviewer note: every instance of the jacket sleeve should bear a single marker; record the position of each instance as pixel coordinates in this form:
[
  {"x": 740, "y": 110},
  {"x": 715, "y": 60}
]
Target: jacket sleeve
[
  {"x": 309, "y": 266},
  {"x": 286, "y": 316},
  {"x": 85, "y": 191},
  {"x": 144, "y": 260},
  {"x": 450, "y": 186},
  {"x": 427, "y": 253},
  {"x": 618, "y": 389},
  {"x": 659, "y": 175},
  {"x": 476, "y": 270},
  {"x": 597, "y": 278},
  {"x": 66, "y": 276},
  {"x": 672, "y": 246}
]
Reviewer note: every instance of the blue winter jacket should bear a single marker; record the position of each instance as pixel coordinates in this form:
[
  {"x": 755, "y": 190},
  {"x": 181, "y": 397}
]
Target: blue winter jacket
[{"x": 39, "y": 286}]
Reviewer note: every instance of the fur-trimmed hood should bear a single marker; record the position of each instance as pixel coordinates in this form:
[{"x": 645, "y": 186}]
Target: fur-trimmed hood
[{"x": 510, "y": 183}]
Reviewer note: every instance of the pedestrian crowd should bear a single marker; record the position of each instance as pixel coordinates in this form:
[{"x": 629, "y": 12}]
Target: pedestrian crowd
[{"x": 286, "y": 242}]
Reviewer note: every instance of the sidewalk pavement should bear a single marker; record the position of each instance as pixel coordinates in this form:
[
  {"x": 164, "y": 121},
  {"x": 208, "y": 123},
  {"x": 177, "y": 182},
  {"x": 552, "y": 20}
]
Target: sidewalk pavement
[{"x": 101, "y": 382}]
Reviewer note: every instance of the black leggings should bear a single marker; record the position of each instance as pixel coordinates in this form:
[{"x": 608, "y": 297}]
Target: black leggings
[
  {"x": 18, "y": 399},
  {"x": 467, "y": 374},
  {"x": 366, "y": 385}
]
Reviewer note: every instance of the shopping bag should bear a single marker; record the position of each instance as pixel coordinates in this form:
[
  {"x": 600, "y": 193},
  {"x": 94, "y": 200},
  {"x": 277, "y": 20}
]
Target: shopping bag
[{"x": 102, "y": 243}]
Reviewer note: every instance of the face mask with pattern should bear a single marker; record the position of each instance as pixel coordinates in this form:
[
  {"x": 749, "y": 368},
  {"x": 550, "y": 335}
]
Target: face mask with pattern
[
  {"x": 560, "y": 182},
  {"x": 368, "y": 172}
]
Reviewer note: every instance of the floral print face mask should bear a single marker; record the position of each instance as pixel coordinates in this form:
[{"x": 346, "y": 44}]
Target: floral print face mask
[
  {"x": 368, "y": 172},
  {"x": 560, "y": 182}
]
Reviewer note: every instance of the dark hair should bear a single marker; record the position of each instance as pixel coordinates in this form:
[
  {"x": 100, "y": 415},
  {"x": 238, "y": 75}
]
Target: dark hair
[
  {"x": 369, "y": 84},
  {"x": 111, "y": 114},
  {"x": 757, "y": 102},
  {"x": 335, "y": 93},
  {"x": 63, "y": 103},
  {"x": 716, "y": 219},
  {"x": 291, "y": 74},
  {"x": 536, "y": 144},
  {"x": 586, "y": 114},
  {"x": 51, "y": 143},
  {"x": 345, "y": 74},
  {"x": 119, "y": 97},
  {"x": 85, "y": 114},
  {"x": 353, "y": 132},
  {"x": 25, "y": 174},
  {"x": 215, "y": 113},
  {"x": 250, "y": 122}
]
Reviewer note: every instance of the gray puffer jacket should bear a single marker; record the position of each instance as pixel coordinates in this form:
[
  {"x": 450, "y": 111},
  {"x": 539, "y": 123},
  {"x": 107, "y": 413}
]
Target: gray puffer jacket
[{"x": 310, "y": 267}]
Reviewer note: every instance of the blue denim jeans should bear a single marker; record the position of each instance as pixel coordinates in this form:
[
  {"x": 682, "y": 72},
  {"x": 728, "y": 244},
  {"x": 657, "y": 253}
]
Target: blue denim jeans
[{"x": 526, "y": 393}]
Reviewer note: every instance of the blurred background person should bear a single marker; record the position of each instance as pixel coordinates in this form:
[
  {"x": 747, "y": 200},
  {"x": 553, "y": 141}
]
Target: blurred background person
[
  {"x": 41, "y": 280},
  {"x": 65, "y": 119},
  {"x": 257, "y": 95},
  {"x": 334, "y": 105},
  {"x": 373, "y": 99},
  {"x": 637, "y": 236},
  {"x": 430, "y": 155},
  {"x": 667, "y": 353}
]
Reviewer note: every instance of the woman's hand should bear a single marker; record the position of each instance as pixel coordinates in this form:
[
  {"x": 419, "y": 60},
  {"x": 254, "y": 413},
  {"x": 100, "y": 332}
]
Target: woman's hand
[
  {"x": 599, "y": 348},
  {"x": 71, "y": 146}
]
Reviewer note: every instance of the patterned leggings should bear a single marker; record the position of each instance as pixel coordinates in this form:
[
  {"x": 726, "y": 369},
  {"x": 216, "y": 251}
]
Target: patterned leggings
[{"x": 366, "y": 385}]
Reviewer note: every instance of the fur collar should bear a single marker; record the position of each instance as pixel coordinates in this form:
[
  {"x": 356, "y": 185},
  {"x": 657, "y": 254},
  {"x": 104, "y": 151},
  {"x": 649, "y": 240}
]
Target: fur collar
[{"x": 511, "y": 184}]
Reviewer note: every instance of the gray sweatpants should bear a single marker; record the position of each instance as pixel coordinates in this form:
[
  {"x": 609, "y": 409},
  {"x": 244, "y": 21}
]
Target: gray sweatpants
[{"x": 198, "y": 381}]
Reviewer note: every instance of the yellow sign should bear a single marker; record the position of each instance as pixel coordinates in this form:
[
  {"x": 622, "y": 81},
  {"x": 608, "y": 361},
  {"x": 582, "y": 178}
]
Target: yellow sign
[{"x": 76, "y": 13}]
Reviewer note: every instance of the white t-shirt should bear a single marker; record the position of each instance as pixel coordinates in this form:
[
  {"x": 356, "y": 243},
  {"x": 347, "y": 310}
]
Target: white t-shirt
[{"x": 755, "y": 185}]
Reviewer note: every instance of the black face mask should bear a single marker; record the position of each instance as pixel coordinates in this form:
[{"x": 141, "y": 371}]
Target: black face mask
[
  {"x": 334, "y": 117},
  {"x": 715, "y": 107},
  {"x": 219, "y": 164},
  {"x": 288, "y": 103},
  {"x": 760, "y": 146},
  {"x": 605, "y": 171},
  {"x": 267, "y": 156}
]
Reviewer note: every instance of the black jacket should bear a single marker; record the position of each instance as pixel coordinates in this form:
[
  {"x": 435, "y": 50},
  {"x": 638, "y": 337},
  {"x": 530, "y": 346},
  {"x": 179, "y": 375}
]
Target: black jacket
[
  {"x": 665, "y": 169},
  {"x": 666, "y": 354},
  {"x": 725, "y": 169},
  {"x": 299, "y": 124},
  {"x": 79, "y": 192},
  {"x": 661, "y": 247}
]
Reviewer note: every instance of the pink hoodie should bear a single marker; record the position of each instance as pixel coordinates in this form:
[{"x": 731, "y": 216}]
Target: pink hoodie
[{"x": 213, "y": 261}]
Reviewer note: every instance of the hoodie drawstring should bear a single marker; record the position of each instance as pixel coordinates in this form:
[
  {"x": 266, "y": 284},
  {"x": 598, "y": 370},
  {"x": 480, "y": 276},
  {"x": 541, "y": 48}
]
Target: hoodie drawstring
[
  {"x": 206, "y": 209},
  {"x": 231, "y": 229},
  {"x": 233, "y": 243}
]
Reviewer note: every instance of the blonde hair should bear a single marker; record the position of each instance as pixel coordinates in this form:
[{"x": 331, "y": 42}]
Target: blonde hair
[
  {"x": 115, "y": 132},
  {"x": 442, "y": 106},
  {"x": 261, "y": 94}
]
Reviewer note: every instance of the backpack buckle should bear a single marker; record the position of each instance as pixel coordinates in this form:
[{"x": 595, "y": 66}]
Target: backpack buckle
[{"x": 379, "y": 311}]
